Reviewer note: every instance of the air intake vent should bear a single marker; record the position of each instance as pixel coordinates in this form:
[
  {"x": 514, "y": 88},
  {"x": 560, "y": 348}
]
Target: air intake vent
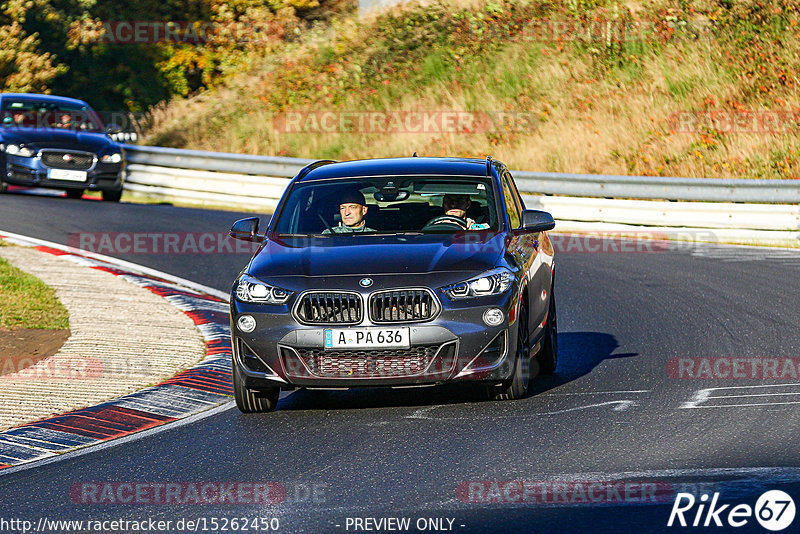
[
  {"x": 330, "y": 308},
  {"x": 368, "y": 364},
  {"x": 402, "y": 306}
]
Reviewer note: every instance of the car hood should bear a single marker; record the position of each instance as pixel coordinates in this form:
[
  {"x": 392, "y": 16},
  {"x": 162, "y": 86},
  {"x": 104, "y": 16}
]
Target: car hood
[
  {"x": 53, "y": 138},
  {"x": 378, "y": 255}
]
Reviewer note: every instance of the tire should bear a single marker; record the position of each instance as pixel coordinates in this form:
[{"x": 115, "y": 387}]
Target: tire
[
  {"x": 521, "y": 380},
  {"x": 548, "y": 355},
  {"x": 74, "y": 193},
  {"x": 249, "y": 401},
  {"x": 112, "y": 196}
]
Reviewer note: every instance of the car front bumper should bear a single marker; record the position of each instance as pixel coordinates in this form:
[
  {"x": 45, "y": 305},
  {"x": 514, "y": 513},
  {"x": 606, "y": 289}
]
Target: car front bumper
[
  {"x": 31, "y": 172},
  {"x": 457, "y": 346}
]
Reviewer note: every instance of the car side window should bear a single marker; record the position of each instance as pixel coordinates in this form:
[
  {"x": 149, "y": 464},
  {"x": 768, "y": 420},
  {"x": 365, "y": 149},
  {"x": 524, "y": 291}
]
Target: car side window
[
  {"x": 514, "y": 211},
  {"x": 515, "y": 192}
]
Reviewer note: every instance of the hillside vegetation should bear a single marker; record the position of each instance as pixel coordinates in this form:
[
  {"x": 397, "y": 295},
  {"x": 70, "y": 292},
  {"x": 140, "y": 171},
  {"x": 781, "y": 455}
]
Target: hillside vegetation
[{"x": 90, "y": 49}]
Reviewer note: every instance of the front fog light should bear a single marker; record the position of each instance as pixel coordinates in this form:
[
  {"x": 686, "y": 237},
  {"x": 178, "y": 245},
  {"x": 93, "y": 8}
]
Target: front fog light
[
  {"x": 246, "y": 323},
  {"x": 494, "y": 317}
]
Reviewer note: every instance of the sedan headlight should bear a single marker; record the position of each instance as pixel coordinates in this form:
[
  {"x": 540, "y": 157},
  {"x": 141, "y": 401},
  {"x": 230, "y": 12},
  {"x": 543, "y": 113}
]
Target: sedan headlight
[
  {"x": 112, "y": 158},
  {"x": 18, "y": 150},
  {"x": 251, "y": 289},
  {"x": 492, "y": 282}
]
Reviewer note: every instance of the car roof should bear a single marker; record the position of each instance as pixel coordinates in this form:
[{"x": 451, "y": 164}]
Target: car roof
[
  {"x": 397, "y": 167},
  {"x": 45, "y": 98}
]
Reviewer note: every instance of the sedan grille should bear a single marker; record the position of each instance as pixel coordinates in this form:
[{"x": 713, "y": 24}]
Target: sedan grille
[
  {"x": 330, "y": 308},
  {"x": 402, "y": 306},
  {"x": 78, "y": 161},
  {"x": 368, "y": 364}
]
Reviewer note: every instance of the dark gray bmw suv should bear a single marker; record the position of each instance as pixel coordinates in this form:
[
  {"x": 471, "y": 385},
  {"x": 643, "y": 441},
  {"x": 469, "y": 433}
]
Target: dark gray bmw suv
[{"x": 395, "y": 272}]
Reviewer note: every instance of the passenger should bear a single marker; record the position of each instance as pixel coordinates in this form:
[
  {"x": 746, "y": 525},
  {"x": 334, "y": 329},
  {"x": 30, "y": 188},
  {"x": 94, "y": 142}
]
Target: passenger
[
  {"x": 456, "y": 206},
  {"x": 16, "y": 120},
  {"x": 65, "y": 121},
  {"x": 352, "y": 207}
]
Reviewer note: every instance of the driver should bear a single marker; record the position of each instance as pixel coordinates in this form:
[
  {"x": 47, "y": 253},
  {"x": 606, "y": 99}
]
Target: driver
[
  {"x": 352, "y": 208},
  {"x": 456, "y": 206},
  {"x": 65, "y": 121},
  {"x": 17, "y": 119}
]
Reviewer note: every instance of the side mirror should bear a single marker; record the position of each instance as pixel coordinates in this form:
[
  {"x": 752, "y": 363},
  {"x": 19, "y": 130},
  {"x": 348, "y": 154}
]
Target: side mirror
[
  {"x": 112, "y": 129},
  {"x": 537, "y": 221},
  {"x": 246, "y": 230}
]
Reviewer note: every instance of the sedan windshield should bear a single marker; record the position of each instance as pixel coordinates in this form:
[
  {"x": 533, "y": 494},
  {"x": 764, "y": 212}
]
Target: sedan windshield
[
  {"x": 389, "y": 205},
  {"x": 42, "y": 114}
]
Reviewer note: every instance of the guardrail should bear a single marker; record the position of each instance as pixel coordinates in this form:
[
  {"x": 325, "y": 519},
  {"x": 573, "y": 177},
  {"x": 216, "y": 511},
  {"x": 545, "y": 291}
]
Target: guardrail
[
  {"x": 659, "y": 188},
  {"x": 215, "y": 161},
  {"x": 209, "y": 178},
  {"x": 256, "y": 182}
]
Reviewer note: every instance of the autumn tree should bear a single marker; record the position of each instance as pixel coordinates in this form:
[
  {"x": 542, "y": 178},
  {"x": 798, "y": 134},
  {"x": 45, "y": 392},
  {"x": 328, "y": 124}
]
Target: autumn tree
[{"x": 23, "y": 66}]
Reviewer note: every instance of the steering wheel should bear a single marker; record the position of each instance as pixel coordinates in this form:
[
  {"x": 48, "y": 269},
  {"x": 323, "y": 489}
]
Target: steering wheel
[{"x": 446, "y": 222}]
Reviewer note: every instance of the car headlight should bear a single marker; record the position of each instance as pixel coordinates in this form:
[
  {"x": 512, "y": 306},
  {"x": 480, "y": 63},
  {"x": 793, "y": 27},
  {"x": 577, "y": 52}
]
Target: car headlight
[
  {"x": 251, "y": 289},
  {"x": 492, "y": 282},
  {"x": 112, "y": 158},
  {"x": 18, "y": 150}
]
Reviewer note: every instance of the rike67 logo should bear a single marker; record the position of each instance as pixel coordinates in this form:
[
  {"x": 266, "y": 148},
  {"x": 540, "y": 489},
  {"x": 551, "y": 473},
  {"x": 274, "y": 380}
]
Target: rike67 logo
[{"x": 774, "y": 510}]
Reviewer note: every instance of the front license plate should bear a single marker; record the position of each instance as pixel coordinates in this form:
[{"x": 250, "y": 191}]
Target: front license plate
[
  {"x": 63, "y": 174},
  {"x": 367, "y": 338}
]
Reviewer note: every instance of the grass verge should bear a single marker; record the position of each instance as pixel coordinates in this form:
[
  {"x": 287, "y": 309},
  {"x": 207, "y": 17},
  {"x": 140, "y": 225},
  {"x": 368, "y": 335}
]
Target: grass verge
[{"x": 26, "y": 302}]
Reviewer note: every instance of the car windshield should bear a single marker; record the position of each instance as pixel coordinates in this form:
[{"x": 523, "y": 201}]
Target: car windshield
[
  {"x": 389, "y": 205},
  {"x": 42, "y": 114}
]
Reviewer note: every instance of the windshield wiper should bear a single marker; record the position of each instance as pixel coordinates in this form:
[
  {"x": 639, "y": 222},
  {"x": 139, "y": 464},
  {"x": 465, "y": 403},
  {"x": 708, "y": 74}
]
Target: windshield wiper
[{"x": 391, "y": 233}]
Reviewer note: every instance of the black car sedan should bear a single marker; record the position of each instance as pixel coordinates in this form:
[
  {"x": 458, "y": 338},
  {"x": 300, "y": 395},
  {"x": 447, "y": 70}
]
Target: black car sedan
[
  {"x": 395, "y": 273},
  {"x": 60, "y": 143}
]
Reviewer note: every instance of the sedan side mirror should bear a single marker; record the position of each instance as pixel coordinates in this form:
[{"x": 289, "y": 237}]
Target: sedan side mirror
[
  {"x": 112, "y": 129},
  {"x": 246, "y": 230},
  {"x": 537, "y": 221}
]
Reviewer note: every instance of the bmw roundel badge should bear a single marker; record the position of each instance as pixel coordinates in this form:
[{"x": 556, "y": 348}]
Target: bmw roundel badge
[{"x": 365, "y": 282}]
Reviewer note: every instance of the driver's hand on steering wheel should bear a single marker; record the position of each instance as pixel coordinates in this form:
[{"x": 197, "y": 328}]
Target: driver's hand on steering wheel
[
  {"x": 467, "y": 221},
  {"x": 445, "y": 220}
]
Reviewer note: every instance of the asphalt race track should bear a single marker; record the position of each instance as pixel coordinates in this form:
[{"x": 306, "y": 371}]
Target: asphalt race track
[{"x": 614, "y": 415}]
